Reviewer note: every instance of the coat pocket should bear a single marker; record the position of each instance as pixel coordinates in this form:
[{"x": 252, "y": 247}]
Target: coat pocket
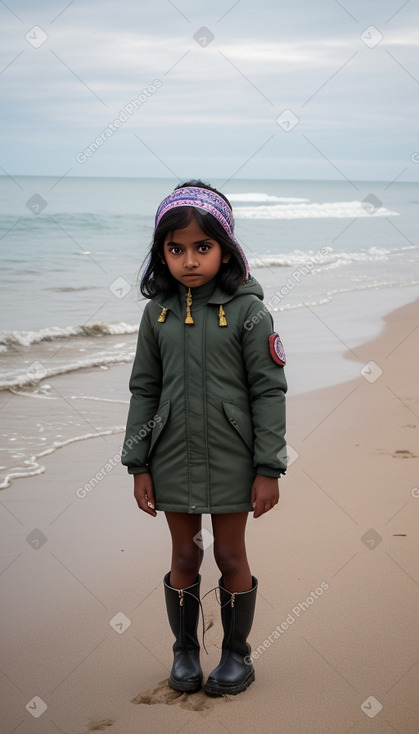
[
  {"x": 241, "y": 422},
  {"x": 162, "y": 416}
]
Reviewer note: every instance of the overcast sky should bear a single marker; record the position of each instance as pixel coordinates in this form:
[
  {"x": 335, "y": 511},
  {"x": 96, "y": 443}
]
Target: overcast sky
[{"x": 315, "y": 89}]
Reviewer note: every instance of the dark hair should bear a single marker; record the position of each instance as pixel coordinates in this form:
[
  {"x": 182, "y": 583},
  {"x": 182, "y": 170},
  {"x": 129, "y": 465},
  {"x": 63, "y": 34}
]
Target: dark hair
[{"x": 157, "y": 278}]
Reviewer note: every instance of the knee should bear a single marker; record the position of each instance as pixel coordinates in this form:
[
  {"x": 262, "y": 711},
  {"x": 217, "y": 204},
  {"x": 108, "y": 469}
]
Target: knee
[
  {"x": 188, "y": 558},
  {"x": 229, "y": 561}
]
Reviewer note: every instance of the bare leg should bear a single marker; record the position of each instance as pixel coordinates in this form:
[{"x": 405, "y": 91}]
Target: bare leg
[
  {"x": 186, "y": 554},
  {"x": 230, "y": 550}
]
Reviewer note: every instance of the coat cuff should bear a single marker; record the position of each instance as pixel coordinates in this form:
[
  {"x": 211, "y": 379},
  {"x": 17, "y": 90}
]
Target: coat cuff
[
  {"x": 267, "y": 471},
  {"x": 138, "y": 469}
]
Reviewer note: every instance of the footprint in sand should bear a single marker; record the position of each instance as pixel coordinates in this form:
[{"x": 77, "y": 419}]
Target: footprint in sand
[
  {"x": 101, "y": 725},
  {"x": 403, "y": 454},
  {"x": 162, "y": 693}
]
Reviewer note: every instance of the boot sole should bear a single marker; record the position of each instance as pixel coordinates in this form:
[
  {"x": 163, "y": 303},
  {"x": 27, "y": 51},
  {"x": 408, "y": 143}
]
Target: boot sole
[
  {"x": 185, "y": 687},
  {"x": 215, "y": 689}
]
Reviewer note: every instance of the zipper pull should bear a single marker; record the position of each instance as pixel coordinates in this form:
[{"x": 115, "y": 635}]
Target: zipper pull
[
  {"x": 222, "y": 321},
  {"x": 162, "y": 317},
  {"x": 189, "y": 318}
]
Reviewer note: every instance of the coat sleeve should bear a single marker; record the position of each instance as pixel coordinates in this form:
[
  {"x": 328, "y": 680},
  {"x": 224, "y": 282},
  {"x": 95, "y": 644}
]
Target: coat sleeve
[
  {"x": 267, "y": 388},
  {"x": 145, "y": 388}
]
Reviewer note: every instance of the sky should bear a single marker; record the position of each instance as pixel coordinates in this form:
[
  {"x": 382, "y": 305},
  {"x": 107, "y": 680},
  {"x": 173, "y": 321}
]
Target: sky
[{"x": 228, "y": 88}]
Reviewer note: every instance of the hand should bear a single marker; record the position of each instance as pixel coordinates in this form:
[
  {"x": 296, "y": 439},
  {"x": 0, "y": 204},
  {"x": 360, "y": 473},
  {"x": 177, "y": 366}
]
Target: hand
[
  {"x": 144, "y": 493},
  {"x": 265, "y": 494}
]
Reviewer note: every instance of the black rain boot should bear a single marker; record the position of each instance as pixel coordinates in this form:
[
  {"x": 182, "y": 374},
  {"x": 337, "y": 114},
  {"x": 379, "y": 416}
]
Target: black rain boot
[
  {"x": 183, "y": 611},
  {"x": 235, "y": 672}
]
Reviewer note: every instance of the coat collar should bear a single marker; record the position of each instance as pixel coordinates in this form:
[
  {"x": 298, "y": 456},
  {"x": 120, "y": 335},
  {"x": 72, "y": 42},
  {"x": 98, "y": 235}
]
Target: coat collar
[{"x": 203, "y": 294}]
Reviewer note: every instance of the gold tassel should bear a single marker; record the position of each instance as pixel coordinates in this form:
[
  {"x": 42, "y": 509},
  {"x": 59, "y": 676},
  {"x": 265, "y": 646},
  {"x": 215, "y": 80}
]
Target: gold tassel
[
  {"x": 222, "y": 321},
  {"x": 189, "y": 318},
  {"x": 162, "y": 317}
]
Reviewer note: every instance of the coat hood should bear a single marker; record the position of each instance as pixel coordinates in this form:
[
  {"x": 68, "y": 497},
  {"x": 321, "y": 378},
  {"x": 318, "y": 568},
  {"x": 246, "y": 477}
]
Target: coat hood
[{"x": 251, "y": 286}]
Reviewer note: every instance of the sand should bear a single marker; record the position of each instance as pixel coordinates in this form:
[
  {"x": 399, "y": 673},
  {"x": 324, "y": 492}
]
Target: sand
[{"x": 86, "y": 643}]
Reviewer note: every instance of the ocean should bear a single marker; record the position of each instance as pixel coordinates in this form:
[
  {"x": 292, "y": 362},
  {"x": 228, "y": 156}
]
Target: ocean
[{"x": 71, "y": 253}]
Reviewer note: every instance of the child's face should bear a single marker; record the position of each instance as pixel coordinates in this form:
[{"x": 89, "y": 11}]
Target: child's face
[{"x": 192, "y": 257}]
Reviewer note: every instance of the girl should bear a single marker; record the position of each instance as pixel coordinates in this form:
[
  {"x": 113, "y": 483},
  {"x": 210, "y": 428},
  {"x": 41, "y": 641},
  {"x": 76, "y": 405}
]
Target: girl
[{"x": 206, "y": 423}]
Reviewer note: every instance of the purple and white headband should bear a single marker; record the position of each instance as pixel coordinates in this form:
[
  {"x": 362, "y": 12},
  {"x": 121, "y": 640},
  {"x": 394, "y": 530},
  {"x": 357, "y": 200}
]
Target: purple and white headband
[{"x": 209, "y": 202}]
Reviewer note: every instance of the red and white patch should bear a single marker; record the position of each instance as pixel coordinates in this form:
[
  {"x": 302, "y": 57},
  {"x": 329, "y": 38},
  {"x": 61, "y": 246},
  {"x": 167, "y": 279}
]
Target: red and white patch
[{"x": 276, "y": 349}]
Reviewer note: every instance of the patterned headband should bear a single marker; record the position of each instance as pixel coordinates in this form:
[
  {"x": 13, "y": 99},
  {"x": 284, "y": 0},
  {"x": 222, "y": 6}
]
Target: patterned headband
[{"x": 209, "y": 202}]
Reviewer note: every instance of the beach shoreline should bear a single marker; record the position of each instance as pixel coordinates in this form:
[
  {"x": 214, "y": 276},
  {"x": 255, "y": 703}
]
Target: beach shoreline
[
  {"x": 76, "y": 405},
  {"x": 81, "y": 576}
]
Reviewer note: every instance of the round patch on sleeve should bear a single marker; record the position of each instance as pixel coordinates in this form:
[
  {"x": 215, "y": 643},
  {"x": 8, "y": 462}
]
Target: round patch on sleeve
[{"x": 276, "y": 349}]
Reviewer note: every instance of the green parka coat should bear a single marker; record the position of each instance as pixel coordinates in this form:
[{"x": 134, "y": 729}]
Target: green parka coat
[{"x": 207, "y": 411}]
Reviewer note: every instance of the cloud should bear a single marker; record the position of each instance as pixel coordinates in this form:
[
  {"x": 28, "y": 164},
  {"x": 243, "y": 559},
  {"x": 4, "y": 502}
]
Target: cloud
[{"x": 351, "y": 100}]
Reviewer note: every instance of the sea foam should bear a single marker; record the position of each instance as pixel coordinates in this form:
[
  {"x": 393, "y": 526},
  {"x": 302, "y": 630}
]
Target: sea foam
[{"x": 300, "y": 210}]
